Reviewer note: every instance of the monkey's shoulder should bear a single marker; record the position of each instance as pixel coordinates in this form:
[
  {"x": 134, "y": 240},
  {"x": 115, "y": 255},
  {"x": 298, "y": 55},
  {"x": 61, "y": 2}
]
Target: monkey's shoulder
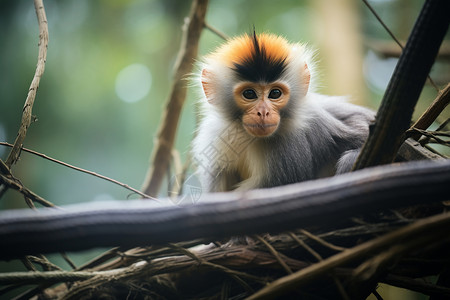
[{"x": 341, "y": 108}]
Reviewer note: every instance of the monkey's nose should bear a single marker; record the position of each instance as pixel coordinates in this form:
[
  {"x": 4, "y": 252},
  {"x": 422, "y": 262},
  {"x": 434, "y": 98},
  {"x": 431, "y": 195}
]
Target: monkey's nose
[{"x": 263, "y": 113}]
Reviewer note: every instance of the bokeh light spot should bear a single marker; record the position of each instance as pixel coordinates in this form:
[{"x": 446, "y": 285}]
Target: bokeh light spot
[{"x": 133, "y": 83}]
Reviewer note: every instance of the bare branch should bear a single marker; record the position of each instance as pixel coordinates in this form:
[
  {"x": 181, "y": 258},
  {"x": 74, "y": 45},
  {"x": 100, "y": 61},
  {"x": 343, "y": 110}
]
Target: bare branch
[
  {"x": 387, "y": 49},
  {"x": 321, "y": 241},
  {"x": 81, "y": 170},
  {"x": 44, "y": 262},
  {"x": 10, "y": 181},
  {"x": 167, "y": 131},
  {"x": 432, "y": 112},
  {"x": 433, "y": 135},
  {"x": 27, "y": 109}
]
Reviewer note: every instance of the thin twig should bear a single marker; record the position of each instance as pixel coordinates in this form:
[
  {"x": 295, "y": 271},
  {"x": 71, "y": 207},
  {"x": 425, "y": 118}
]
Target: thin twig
[
  {"x": 382, "y": 23},
  {"x": 321, "y": 241},
  {"x": 234, "y": 274},
  {"x": 5, "y": 173},
  {"x": 4, "y": 169},
  {"x": 27, "y": 109},
  {"x": 433, "y": 111},
  {"x": 432, "y": 135},
  {"x": 102, "y": 258},
  {"x": 439, "y": 133},
  {"x": 274, "y": 253},
  {"x": 305, "y": 246},
  {"x": 29, "y": 202},
  {"x": 442, "y": 126},
  {"x": 424, "y": 139},
  {"x": 392, "y": 35},
  {"x": 28, "y": 264},
  {"x": 45, "y": 263},
  {"x": 130, "y": 256},
  {"x": 16, "y": 185},
  {"x": 81, "y": 170},
  {"x": 336, "y": 280},
  {"x": 68, "y": 260},
  {"x": 216, "y": 31}
]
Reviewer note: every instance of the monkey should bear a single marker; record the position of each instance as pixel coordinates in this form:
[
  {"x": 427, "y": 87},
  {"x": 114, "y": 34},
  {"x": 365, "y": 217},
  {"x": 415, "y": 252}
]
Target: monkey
[{"x": 262, "y": 125}]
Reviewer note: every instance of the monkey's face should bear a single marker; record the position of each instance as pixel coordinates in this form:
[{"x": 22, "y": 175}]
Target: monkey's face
[
  {"x": 261, "y": 104},
  {"x": 262, "y": 71}
]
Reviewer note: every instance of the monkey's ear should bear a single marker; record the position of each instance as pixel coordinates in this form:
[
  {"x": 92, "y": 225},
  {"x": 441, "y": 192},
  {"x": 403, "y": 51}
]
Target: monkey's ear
[
  {"x": 207, "y": 84},
  {"x": 306, "y": 78}
]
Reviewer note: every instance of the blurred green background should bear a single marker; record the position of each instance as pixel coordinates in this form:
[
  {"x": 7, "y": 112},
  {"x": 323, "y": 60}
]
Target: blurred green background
[{"x": 109, "y": 68}]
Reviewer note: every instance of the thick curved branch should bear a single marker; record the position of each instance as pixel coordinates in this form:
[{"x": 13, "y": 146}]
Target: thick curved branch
[
  {"x": 169, "y": 123},
  {"x": 224, "y": 214},
  {"x": 28, "y": 107}
]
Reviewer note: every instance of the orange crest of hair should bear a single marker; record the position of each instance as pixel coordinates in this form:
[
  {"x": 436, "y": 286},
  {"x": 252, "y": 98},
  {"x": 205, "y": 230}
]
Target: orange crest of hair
[{"x": 239, "y": 49}]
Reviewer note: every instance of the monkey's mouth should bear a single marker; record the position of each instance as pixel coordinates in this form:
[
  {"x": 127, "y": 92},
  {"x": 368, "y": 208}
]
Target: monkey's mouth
[
  {"x": 262, "y": 126},
  {"x": 260, "y": 129}
]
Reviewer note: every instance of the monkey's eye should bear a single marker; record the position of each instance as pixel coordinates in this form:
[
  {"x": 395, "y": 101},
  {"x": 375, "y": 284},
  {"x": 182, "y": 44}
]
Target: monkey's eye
[
  {"x": 249, "y": 94},
  {"x": 275, "y": 94}
]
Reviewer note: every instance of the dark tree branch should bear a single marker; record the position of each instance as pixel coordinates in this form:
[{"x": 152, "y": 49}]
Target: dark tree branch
[
  {"x": 267, "y": 210},
  {"x": 394, "y": 116}
]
